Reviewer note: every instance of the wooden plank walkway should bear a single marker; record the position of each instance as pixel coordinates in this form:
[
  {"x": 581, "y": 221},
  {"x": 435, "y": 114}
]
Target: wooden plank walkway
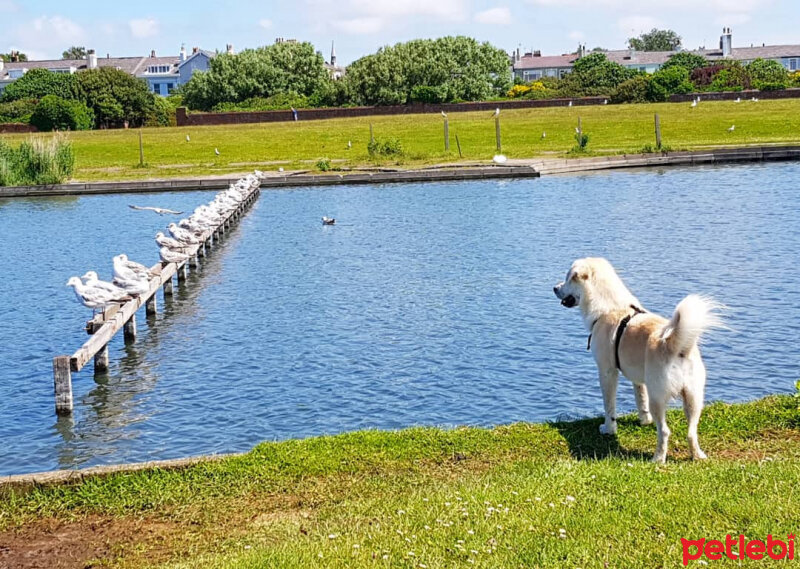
[{"x": 103, "y": 327}]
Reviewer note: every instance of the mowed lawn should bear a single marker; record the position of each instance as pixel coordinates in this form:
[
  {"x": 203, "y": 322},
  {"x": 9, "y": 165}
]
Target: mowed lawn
[
  {"x": 114, "y": 154},
  {"x": 521, "y": 496}
]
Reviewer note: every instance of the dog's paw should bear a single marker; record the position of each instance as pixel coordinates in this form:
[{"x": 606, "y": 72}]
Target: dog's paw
[
  {"x": 608, "y": 430},
  {"x": 660, "y": 459},
  {"x": 645, "y": 419},
  {"x": 699, "y": 455}
]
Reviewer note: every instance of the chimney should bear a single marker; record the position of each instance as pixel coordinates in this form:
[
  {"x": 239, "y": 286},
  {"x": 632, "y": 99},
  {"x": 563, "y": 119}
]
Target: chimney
[
  {"x": 195, "y": 50},
  {"x": 333, "y": 54},
  {"x": 153, "y": 53},
  {"x": 726, "y": 42},
  {"x": 229, "y": 49},
  {"x": 517, "y": 55},
  {"x": 14, "y": 56},
  {"x": 2, "y": 63},
  {"x": 91, "y": 59},
  {"x": 537, "y": 53},
  {"x": 182, "y": 56}
]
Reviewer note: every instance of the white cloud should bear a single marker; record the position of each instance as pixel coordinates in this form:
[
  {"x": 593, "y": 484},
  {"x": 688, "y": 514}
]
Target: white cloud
[
  {"x": 442, "y": 9},
  {"x": 265, "y": 23},
  {"x": 576, "y": 35},
  {"x": 636, "y": 25},
  {"x": 143, "y": 27},
  {"x": 500, "y": 16},
  {"x": 359, "y": 26},
  {"x": 46, "y": 36},
  {"x": 732, "y": 19},
  {"x": 8, "y": 6}
]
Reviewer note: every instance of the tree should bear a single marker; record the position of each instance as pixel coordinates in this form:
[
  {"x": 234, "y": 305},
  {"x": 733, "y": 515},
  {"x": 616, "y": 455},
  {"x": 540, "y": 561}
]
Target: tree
[
  {"x": 75, "y": 52},
  {"x": 55, "y": 113},
  {"x": 656, "y": 40},
  {"x": 665, "y": 82},
  {"x": 439, "y": 70},
  {"x": 687, "y": 60},
  {"x": 596, "y": 74},
  {"x": 38, "y": 83},
  {"x": 257, "y": 73},
  {"x": 768, "y": 74},
  {"x": 7, "y": 56},
  {"x": 115, "y": 96}
]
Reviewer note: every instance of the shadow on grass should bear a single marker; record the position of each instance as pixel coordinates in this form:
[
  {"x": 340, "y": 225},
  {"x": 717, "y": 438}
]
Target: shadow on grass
[{"x": 586, "y": 443}]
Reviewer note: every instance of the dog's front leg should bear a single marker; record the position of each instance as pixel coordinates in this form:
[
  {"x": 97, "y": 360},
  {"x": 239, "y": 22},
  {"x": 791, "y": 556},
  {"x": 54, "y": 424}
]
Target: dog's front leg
[{"x": 608, "y": 383}]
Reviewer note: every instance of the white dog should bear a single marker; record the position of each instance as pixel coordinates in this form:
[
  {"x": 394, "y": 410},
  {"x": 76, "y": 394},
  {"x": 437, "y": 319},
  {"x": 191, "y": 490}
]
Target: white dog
[{"x": 659, "y": 356}]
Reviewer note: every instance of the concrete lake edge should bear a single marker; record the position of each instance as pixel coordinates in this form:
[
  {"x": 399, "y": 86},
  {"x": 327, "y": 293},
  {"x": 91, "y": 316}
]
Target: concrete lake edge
[{"x": 515, "y": 168}]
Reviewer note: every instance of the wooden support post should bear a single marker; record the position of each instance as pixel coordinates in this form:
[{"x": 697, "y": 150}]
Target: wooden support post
[
  {"x": 141, "y": 150},
  {"x": 151, "y": 306},
  {"x": 168, "y": 288},
  {"x": 101, "y": 360},
  {"x": 371, "y": 135},
  {"x": 192, "y": 261},
  {"x": 181, "y": 273},
  {"x": 129, "y": 330},
  {"x": 446, "y": 136},
  {"x": 580, "y": 127},
  {"x": 201, "y": 251},
  {"x": 62, "y": 379},
  {"x": 459, "y": 147},
  {"x": 658, "y": 132},
  {"x": 497, "y": 133}
]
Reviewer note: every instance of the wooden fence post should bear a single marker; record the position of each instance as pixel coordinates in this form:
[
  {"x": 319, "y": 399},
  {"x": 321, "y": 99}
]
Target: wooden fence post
[
  {"x": 371, "y": 136},
  {"x": 658, "y": 132},
  {"x": 141, "y": 150},
  {"x": 62, "y": 379},
  {"x": 458, "y": 144},
  {"x": 446, "y": 135},
  {"x": 129, "y": 330},
  {"x": 101, "y": 360},
  {"x": 497, "y": 133},
  {"x": 151, "y": 306}
]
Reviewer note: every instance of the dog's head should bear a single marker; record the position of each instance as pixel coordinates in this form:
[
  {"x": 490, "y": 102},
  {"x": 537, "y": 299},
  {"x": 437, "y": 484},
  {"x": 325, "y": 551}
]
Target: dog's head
[{"x": 574, "y": 287}]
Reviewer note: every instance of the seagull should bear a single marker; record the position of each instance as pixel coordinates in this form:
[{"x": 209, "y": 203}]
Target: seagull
[
  {"x": 134, "y": 286},
  {"x": 544, "y": 134},
  {"x": 158, "y": 210},
  {"x": 182, "y": 235},
  {"x": 169, "y": 242},
  {"x": 754, "y": 99},
  {"x": 738, "y": 100},
  {"x": 733, "y": 126},
  {"x": 91, "y": 280},
  {"x": 577, "y": 130},
  {"x": 349, "y": 146},
  {"x": 187, "y": 138},
  {"x": 92, "y": 297},
  {"x": 328, "y": 220},
  {"x": 694, "y": 103},
  {"x": 123, "y": 268},
  {"x": 499, "y": 159},
  {"x": 444, "y": 114},
  {"x": 216, "y": 151},
  {"x": 496, "y": 112},
  {"x": 280, "y": 169},
  {"x": 569, "y": 104},
  {"x": 605, "y": 101},
  {"x": 170, "y": 256}
]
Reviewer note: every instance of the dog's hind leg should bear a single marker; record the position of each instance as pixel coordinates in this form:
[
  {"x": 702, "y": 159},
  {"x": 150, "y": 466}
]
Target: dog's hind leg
[
  {"x": 693, "y": 407},
  {"x": 608, "y": 384},
  {"x": 658, "y": 407},
  {"x": 642, "y": 404}
]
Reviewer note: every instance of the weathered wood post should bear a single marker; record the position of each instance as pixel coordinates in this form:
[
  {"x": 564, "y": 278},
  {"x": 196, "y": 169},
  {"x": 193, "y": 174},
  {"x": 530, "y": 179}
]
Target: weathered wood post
[
  {"x": 62, "y": 380},
  {"x": 129, "y": 330},
  {"x": 168, "y": 291},
  {"x": 658, "y": 132},
  {"x": 371, "y": 135},
  {"x": 458, "y": 144},
  {"x": 181, "y": 271},
  {"x": 151, "y": 306},
  {"x": 446, "y": 135},
  {"x": 101, "y": 360},
  {"x": 580, "y": 129},
  {"x": 193, "y": 261},
  {"x": 497, "y": 133},
  {"x": 141, "y": 150}
]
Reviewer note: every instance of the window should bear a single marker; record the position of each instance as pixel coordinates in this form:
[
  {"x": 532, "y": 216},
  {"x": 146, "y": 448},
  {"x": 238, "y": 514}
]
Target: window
[
  {"x": 158, "y": 69},
  {"x": 793, "y": 64},
  {"x": 170, "y": 87}
]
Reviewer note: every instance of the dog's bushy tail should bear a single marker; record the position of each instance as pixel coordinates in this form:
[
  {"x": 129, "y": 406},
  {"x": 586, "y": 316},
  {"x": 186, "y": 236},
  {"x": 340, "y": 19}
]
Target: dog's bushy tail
[{"x": 692, "y": 317}]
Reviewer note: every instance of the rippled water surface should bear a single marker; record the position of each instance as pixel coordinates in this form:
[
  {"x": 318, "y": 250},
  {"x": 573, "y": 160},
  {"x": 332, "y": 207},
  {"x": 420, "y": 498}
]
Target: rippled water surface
[{"x": 426, "y": 304}]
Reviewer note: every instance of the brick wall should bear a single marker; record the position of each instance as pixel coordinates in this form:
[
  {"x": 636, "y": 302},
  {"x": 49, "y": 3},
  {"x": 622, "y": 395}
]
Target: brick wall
[
  {"x": 13, "y": 127},
  {"x": 733, "y": 95}
]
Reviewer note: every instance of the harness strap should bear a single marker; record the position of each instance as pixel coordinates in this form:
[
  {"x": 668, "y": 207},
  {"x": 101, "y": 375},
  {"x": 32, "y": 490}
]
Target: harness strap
[{"x": 621, "y": 330}]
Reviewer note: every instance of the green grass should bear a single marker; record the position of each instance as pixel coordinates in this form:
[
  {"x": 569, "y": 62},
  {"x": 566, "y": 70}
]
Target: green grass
[
  {"x": 114, "y": 154},
  {"x": 466, "y": 497}
]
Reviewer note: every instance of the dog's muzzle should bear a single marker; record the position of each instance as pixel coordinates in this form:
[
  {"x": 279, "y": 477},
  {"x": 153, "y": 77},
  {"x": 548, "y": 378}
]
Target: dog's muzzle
[{"x": 569, "y": 301}]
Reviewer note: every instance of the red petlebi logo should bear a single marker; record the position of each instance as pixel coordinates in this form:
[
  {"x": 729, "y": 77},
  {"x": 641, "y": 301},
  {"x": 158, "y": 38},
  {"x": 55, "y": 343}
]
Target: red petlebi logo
[{"x": 714, "y": 549}]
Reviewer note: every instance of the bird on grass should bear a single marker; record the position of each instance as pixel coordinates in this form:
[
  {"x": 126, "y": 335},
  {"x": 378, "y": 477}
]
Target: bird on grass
[
  {"x": 577, "y": 130},
  {"x": 733, "y": 127},
  {"x": 605, "y": 101},
  {"x": 187, "y": 138},
  {"x": 738, "y": 100},
  {"x": 499, "y": 159},
  {"x": 216, "y": 151},
  {"x": 569, "y": 104},
  {"x": 544, "y": 134},
  {"x": 349, "y": 144},
  {"x": 694, "y": 103},
  {"x": 158, "y": 210},
  {"x": 754, "y": 99},
  {"x": 328, "y": 220}
]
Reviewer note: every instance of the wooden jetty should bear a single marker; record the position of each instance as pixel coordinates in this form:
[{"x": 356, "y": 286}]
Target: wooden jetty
[{"x": 103, "y": 327}]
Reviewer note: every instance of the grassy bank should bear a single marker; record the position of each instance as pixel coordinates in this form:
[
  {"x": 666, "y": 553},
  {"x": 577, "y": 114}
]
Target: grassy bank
[
  {"x": 551, "y": 495},
  {"x": 114, "y": 155}
]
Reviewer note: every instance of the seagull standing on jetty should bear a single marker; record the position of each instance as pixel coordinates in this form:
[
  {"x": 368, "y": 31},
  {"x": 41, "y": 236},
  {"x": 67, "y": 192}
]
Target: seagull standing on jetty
[
  {"x": 171, "y": 256},
  {"x": 169, "y": 242},
  {"x": 124, "y": 268},
  {"x": 91, "y": 279},
  {"x": 94, "y": 298}
]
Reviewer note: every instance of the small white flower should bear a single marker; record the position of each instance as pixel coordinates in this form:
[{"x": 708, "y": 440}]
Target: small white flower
[
  {"x": 356, "y": 546},
  {"x": 332, "y": 536},
  {"x": 400, "y": 512},
  {"x": 474, "y": 551},
  {"x": 570, "y": 498},
  {"x": 470, "y": 532},
  {"x": 459, "y": 541},
  {"x": 427, "y": 527},
  {"x": 319, "y": 554},
  {"x": 411, "y": 554},
  {"x": 248, "y": 547},
  {"x": 630, "y": 464},
  {"x": 385, "y": 556},
  {"x": 515, "y": 493},
  {"x": 423, "y": 566}
]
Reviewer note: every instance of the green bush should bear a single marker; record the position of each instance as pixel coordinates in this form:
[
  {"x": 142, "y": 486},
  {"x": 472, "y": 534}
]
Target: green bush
[
  {"x": 428, "y": 94},
  {"x": 768, "y": 75},
  {"x": 277, "y": 102},
  {"x": 163, "y": 112},
  {"x": 324, "y": 164},
  {"x": 36, "y": 162},
  {"x": 388, "y": 147},
  {"x": 581, "y": 143},
  {"x": 54, "y": 113},
  {"x": 633, "y": 90},
  {"x": 668, "y": 81},
  {"x": 116, "y": 97},
  {"x": 38, "y": 83},
  {"x": 687, "y": 60},
  {"x": 18, "y": 111}
]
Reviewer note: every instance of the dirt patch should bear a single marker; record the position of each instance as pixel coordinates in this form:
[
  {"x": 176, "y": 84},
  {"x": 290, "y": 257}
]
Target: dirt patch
[{"x": 91, "y": 542}]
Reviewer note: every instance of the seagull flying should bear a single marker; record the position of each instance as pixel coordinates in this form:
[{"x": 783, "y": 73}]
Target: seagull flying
[
  {"x": 328, "y": 220},
  {"x": 158, "y": 210}
]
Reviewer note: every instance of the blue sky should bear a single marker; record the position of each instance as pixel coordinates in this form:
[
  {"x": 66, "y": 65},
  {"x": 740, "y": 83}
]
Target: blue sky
[{"x": 44, "y": 28}]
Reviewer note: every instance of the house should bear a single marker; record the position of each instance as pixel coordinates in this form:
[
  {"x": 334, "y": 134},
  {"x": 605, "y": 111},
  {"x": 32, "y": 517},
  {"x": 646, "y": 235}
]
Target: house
[
  {"x": 163, "y": 74},
  {"x": 533, "y": 65}
]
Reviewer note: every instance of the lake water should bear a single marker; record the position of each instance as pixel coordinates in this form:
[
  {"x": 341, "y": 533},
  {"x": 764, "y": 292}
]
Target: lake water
[{"x": 425, "y": 305}]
